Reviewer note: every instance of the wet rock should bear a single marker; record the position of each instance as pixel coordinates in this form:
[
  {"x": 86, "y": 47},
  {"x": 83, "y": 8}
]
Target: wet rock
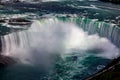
[
  {"x": 6, "y": 61},
  {"x": 19, "y": 21},
  {"x": 2, "y": 21}
]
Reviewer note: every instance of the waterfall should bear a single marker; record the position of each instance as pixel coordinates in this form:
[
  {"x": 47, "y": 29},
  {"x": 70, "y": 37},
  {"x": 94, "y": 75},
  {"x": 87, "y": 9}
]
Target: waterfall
[
  {"x": 54, "y": 36},
  {"x": 108, "y": 30}
]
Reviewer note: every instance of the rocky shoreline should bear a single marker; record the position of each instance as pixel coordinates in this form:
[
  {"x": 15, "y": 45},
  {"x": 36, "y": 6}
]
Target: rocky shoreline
[{"x": 6, "y": 61}]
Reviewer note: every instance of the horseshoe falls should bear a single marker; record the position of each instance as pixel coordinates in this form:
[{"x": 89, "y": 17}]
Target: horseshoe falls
[
  {"x": 46, "y": 50},
  {"x": 66, "y": 40},
  {"x": 103, "y": 29}
]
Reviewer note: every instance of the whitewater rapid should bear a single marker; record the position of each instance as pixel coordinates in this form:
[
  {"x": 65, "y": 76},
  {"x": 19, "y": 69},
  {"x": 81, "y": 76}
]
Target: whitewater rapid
[{"x": 52, "y": 36}]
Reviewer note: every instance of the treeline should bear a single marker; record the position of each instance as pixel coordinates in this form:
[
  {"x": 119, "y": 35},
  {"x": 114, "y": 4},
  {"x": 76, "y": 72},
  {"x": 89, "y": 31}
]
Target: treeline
[{"x": 113, "y": 1}]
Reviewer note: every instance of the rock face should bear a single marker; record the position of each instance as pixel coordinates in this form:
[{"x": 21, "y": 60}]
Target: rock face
[
  {"x": 19, "y": 21},
  {"x": 16, "y": 21},
  {"x": 6, "y": 61},
  {"x": 113, "y": 1},
  {"x": 2, "y": 21}
]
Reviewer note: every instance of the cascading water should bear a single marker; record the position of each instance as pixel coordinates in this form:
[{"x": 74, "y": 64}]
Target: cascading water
[
  {"x": 108, "y": 30},
  {"x": 52, "y": 44},
  {"x": 69, "y": 45}
]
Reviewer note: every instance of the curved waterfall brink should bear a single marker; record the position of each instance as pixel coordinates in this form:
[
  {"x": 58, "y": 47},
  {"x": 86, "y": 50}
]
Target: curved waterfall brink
[
  {"x": 49, "y": 48},
  {"x": 52, "y": 36},
  {"x": 93, "y": 26}
]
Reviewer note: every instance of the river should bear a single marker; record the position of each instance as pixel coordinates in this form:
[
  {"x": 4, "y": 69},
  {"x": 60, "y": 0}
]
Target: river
[{"x": 67, "y": 40}]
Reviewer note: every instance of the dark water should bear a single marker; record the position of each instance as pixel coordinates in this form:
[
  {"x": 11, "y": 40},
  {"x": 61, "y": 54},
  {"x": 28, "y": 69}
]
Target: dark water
[
  {"x": 63, "y": 70},
  {"x": 46, "y": 50}
]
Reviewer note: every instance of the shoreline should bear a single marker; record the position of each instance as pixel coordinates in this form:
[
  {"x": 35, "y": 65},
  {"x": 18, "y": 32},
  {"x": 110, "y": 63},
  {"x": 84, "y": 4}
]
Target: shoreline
[
  {"x": 6, "y": 61},
  {"x": 112, "y": 69}
]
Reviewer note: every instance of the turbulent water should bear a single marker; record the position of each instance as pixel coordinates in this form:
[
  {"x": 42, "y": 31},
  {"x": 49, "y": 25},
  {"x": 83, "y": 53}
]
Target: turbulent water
[{"x": 59, "y": 44}]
